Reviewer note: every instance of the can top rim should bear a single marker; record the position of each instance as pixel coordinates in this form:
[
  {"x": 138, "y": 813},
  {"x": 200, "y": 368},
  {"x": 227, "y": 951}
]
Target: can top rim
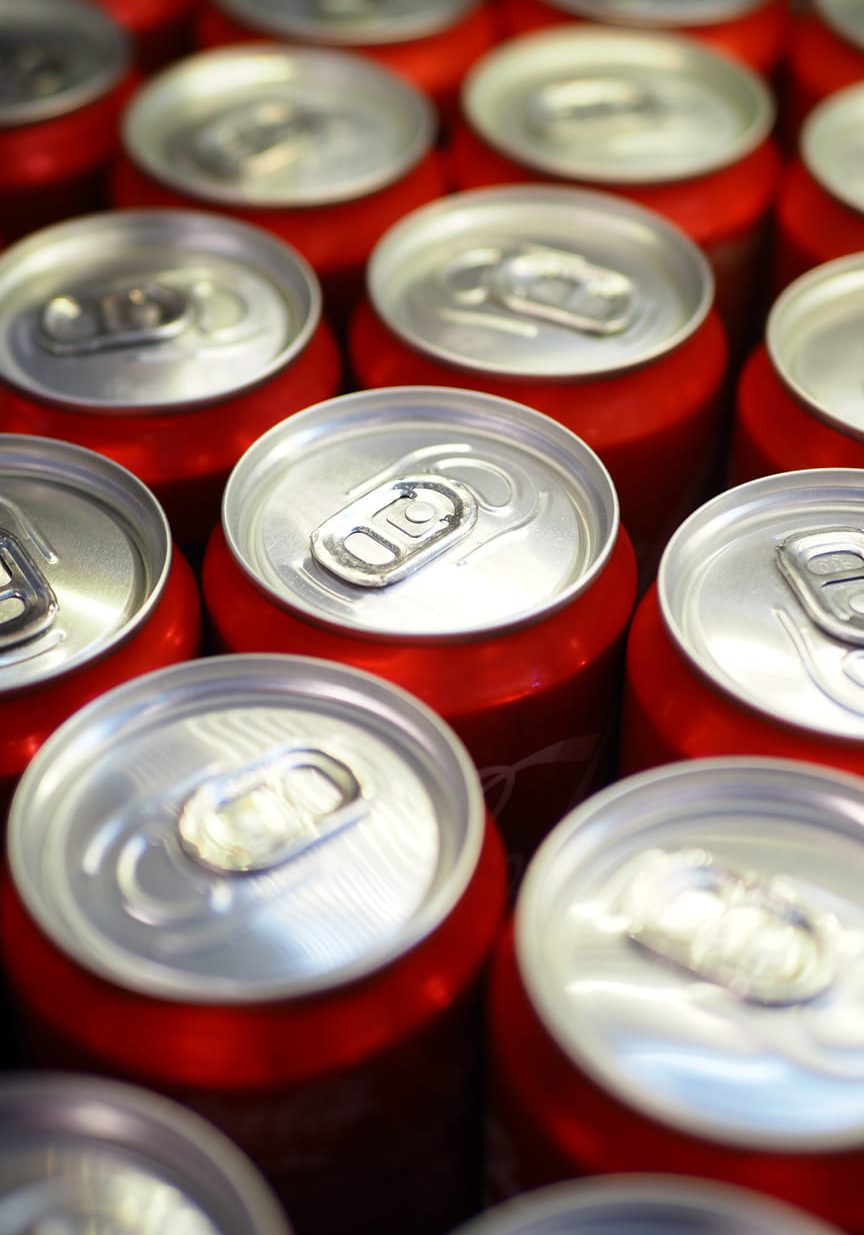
[
  {"x": 408, "y": 19},
  {"x": 830, "y": 145},
  {"x": 660, "y": 13},
  {"x": 845, "y": 17}
]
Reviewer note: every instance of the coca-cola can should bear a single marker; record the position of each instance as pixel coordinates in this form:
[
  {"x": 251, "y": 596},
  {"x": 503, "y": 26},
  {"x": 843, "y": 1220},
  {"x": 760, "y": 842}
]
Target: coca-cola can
[
  {"x": 584, "y": 306},
  {"x": 749, "y": 642},
  {"x": 168, "y": 340},
  {"x": 430, "y": 43},
  {"x": 679, "y": 989},
  {"x": 657, "y": 118},
  {"x": 322, "y": 148},
  {"x": 64, "y": 79},
  {"x": 80, "y": 1153},
  {"x": 161, "y": 30},
  {"x": 277, "y": 898},
  {"x": 463, "y": 546},
  {"x": 825, "y": 53},
  {"x": 91, "y": 591}
]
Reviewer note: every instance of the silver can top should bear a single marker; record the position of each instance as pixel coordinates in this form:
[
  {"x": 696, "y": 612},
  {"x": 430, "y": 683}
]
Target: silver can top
[
  {"x": 143, "y": 310},
  {"x": 244, "y": 828},
  {"x": 56, "y": 56},
  {"x": 762, "y": 588},
  {"x": 660, "y": 13},
  {"x": 85, "y": 552},
  {"x": 539, "y": 281},
  {"x": 812, "y": 337},
  {"x": 610, "y": 106},
  {"x": 81, "y": 1154},
  {"x": 832, "y": 145},
  {"x": 349, "y": 22},
  {"x": 420, "y": 513},
  {"x": 846, "y": 17},
  {"x": 691, "y": 939},
  {"x": 276, "y": 126}
]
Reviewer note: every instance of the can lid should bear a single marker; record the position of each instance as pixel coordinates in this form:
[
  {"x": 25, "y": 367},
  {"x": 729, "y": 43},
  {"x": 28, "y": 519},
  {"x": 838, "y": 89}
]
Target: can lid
[
  {"x": 245, "y": 828},
  {"x": 142, "y": 310},
  {"x": 539, "y": 281},
  {"x": 611, "y": 106},
  {"x": 846, "y": 17},
  {"x": 278, "y": 126},
  {"x": 85, "y": 552},
  {"x": 690, "y": 938},
  {"x": 79, "y": 1153},
  {"x": 662, "y": 13},
  {"x": 763, "y": 589},
  {"x": 421, "y": 513},
  {"x": 56, "y": 56},
  {"x": 832, "y": 146},
  {"x": 349, "y": 22}
]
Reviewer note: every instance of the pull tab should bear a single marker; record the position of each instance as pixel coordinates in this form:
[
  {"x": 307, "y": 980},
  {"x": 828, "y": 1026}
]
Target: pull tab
[
  {"x": 260, "y": 139},
  {"x": 28, "y": 604},
  {"x": 729, "y": 928},
  {"x": 145, "y": 313},
  {"x": 559, "y": 111},
  {"x": 825, "y": 569},
  {"x": 394, "y": 529},
  {"x": 29, "y": 70},
  {"x": 269, "y": 812},
  {"x": 549, "y": 284}
]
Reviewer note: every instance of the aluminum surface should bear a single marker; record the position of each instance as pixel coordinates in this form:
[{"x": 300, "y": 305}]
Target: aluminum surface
[
  {"x": 277, "y": 126},
  {"x": 658, "y": 12},
  {"x": 143, "y": 310},
  {"x": 546, "y": 282},
  {"x": 832, "y": 145},
  {"x": 846, "y": 17},
  {"x": 762, "y": 588},
  {"x": 245, "y": 828},
  {"x": 351, "y": 22},
  {"x": 457, "y": 513},
  {"x": 84, "y": 557},
  {"x": 609, "y": 106},
  {"x": 80, "y": 1154},
  {"x": 692, "y": 936}
]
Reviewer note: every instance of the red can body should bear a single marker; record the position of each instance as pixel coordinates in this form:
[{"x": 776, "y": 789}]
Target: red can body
[
  {"x": 819, "y": 62},
  {"x": 812, "y": 226},
  {"x": 162, "y": 30}
]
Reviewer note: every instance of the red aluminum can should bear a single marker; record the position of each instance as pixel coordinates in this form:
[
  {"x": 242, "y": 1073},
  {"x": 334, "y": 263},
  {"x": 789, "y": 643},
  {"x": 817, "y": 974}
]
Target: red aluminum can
[
  {"x": 161, "y": 30},
  {"x": 582, "y": 305},
  {"x": 168, "y": 340},
  {"x": 277, "y": 899},
  {"x": 64, "y": 79},
  {"x": 656, "y": 118},
  {"x": 826, "y": 53},
  {"x": 430, "y": 43},
  {"x": 672, "y": 994},
  {"x": 321, "y": 148},
  {"x": 749, "y": 642},
  {"x": 91, "y": 591}
]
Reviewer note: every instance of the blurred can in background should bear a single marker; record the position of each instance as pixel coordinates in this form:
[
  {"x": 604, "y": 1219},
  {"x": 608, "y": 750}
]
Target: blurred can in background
[
  {"x": 161, "y": 30},
  {"x": 826, "y": 53}
]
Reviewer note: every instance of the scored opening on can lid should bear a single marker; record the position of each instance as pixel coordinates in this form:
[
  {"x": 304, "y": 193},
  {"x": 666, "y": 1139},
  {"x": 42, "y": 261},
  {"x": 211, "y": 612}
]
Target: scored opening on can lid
[
  {"x": 352, "y": 22},
  {"x": 85, "y": 553},
  {"x": 277, "y": 126},
  {"x": 56, "y": 56},
  {"x": 84, "y": 1153},
  {"x": 845, "y": 17},
  {"x": 762, "y": 588},
  {"x": 245, "y": 828},
  {"x": 690, "y": 938},
  {"x": 139, "y": 310},
  {"x": 421, "y": 512},
  {"x": 658, "y": 12},
  {"x": 610, "y": 106},
  {"x": 832, "y": 146},
  {"x": 539, "y": 281}
]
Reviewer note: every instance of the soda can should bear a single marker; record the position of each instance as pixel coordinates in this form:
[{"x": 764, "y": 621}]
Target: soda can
[
  {"x": 657, "y": 118},
  {"x": 64, "y": 79},
  {"x": 166, "y": 339},
  {"x": 277, "y": 899},
  {"x": 680, "y": 986},
  {"x": 91, "y": 591},
  {"x": 430, "y": 43},
  {"x": 322, "y": 148},
  {"x": 460, "y": 545},
  {"x": 79, "y": 1153},
  {"x": 749, "y": 643},
  {"x": 584, "y": 306},
  {"x": 825, "y": 53},
  {"x": 161, "y": 30}
]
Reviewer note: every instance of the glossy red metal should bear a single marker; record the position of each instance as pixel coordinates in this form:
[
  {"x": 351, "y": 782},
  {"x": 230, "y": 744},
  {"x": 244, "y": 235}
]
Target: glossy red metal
[
  {"x": 819, "y": 62},
  {"x": 162, "y": 30},
  {"x": 811, "y": 226}
]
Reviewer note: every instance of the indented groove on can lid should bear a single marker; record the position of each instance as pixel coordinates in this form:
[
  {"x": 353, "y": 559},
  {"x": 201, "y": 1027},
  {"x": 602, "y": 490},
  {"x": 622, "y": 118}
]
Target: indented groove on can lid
[
  {"x": 539, "y": 281},
  {"x": 421, "y": 513},
  {"x": 607, "y": 106},
  {"x": 56, "y": 56},
  {"x": 690, "y": 937},
  {"x": 85, "y": 553},
  {"x": 658, "y": 12},
  {"x": 277, "y": 126},
  {"x": 763, "y": 590},
  {"x": 143, "y": 310},
  {"x": 255, "y": 828},
  {"x": 351, "y": 22},
  {"x": 832, "y": 146},
  {"x": 846, "y": 17},
  {"x": 81, "y": 1153}
]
